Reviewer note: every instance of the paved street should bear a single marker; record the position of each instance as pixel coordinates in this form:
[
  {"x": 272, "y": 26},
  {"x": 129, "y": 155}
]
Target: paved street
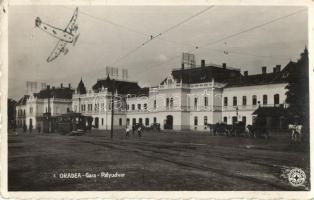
[{"x": 156, "y": 161}]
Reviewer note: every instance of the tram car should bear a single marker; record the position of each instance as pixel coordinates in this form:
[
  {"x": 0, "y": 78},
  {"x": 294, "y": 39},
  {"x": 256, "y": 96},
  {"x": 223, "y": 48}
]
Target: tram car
[{"x": 73, "y": 123}]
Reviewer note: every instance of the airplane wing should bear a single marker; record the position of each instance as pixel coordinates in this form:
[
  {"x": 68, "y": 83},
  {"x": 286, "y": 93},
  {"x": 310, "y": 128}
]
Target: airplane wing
[
  {"x": 71, "y": 25},
  {"x": 60, "y": 47}
]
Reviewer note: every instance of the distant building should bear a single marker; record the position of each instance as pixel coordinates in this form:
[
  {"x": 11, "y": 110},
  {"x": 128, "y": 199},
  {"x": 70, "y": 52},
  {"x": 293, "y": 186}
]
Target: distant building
[
  {"x": 97, "y": 102},
  {"x": 53, "y": 100},
  {"x": 21, "y": 111}
]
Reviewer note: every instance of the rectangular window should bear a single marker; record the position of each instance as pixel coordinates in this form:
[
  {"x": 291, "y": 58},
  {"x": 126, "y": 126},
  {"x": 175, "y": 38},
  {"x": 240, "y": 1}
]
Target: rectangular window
[
  {"x": 276, "y": 99},
  {"x": 225, "y": 120},
  {"x": 254, "y": 100},
  {"x": 167, "y": 103},
  {"x": 195, "y": 103},
  {"x": 205, "y": 120},
  {"x": 133, "y": 106},
  {"x": 205, "y": 101},
  {"x": 235, "y": 101},
  {"x": 134, "y": 121},
  {"x": 225, "y": 101},
  {"x": 127, "y": 121},
  {"x": 234, "y": 119},
  {"x": 140, "y": 120},
  {"x": 139, "y": 106},
  {"x": 171, "y": 103},
  {"x": 244, "y": 119},
  {"x": 155, "y": 104},
  {"x": 244, "y": 100},
  {"x": 120, "y": 121},
  {"x": 145, "y": 106},
  {"x": 128, "y": 107},
  {"x": 155, "y": 120},
  {"x": 146, "y": 121}
]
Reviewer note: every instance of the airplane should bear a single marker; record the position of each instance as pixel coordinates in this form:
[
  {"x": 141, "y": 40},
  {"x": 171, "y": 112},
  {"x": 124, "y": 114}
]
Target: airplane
[{"x": 68, "y": 35}]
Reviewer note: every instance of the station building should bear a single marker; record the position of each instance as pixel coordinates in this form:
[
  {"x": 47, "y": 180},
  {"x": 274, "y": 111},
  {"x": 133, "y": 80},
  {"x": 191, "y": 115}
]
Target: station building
[{"x": 187, "y": 99}]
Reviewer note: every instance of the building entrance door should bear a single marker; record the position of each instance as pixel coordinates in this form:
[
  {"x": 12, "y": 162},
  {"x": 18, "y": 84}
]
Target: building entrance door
[
  {"x": 96, "y": 122},
  {"x": 169, "y": 122}
]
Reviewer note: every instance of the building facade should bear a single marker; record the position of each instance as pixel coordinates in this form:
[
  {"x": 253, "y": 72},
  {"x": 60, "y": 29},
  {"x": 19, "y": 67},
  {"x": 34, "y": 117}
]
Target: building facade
[
  {"x": 187, "y": 99},
  {"x": 190, "y": 98},
  {"x": 53, "y": 100}
]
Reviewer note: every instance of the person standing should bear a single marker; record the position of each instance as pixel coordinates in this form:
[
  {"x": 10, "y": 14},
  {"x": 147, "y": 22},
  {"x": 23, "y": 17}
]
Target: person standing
[
  {"x": 127, "y": 131},
  {"x": 39, "y": 128},
  {"x": 24, "y": 128},
  {"x": 30, "y": 128}
]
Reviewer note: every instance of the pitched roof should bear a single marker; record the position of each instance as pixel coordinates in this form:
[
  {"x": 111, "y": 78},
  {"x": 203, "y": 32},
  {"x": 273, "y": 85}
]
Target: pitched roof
[
  {"x": 60, "y": 93},
  {"x": 81, "y": 89},
  {"x": 205, "y": 74},
  {"x": 270, "y": 111},
  {"x": 22, "y": 101},
  {"x": 262, "y": 79},
  {"x": 122, "y": 87}
]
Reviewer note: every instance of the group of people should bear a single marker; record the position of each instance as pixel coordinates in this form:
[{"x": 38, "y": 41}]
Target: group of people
[
  {"x": 139, "y": 130},
  {"x": 30, "y": 128}
]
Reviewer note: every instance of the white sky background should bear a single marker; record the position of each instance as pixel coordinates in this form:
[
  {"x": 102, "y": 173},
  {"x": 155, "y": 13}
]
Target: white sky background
[{"x": 101, "y": 43}]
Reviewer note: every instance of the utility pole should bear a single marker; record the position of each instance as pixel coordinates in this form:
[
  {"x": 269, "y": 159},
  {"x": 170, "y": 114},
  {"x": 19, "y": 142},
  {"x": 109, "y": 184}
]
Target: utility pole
[{"x": 112, "y": 107}]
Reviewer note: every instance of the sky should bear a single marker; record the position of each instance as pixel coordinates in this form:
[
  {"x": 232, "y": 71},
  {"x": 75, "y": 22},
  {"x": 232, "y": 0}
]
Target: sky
[{"x": 252, "y": 36}]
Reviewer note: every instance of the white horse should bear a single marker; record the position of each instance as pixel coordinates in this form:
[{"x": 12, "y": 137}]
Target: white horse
[{"x": 296, "y": 132}]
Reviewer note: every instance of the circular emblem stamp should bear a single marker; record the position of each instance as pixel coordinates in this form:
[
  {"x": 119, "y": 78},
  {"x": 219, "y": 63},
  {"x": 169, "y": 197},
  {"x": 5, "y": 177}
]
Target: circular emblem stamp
[{"x": 296, "y": 177}]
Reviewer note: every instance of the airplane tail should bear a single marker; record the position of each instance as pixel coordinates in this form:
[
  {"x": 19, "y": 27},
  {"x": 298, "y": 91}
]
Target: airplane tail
[{"x": 37, "y": 21}]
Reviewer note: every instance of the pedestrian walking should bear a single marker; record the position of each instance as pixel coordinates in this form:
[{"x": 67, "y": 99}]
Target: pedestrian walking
[
  {"x": 127, "y": 131},
  {"x": 30, "y": 128},
  {"x": 133, "y": 129},
  {"x": 139, "y": 131}
]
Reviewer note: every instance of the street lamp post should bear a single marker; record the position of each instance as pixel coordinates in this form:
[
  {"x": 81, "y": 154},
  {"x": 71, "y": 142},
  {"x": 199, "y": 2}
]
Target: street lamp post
[{"x": 112, "y": 107}]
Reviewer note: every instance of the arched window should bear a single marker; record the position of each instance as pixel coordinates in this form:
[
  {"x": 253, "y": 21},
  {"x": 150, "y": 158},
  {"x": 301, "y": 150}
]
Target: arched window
[
  {"x": 205, "y": 101},
  {"x": 195, "y": 121},
  {"x": 244, "y": 100},
  {"x": 205, "y": 120},
  {"x": 276, "y": 99},
  {"x": 264, "y": 99}
]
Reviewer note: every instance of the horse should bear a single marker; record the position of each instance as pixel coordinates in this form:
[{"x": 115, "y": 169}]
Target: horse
[{"x": 296, "y": 132}]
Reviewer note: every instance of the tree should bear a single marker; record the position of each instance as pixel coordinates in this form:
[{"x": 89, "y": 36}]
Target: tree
[{"x": 298, "y": 90}]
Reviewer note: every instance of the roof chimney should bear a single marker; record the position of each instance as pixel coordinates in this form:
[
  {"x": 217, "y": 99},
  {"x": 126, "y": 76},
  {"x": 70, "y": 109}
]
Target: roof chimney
[
  {"x": 202, "y": 63},
  {"x": 278, "y": 68},
  {"x": 69, "y": 85},
  {"x": 274, "y": 69},
  {"x": 264, "y": 70},
  {"x": 48, "y": 87},
  {"x": 224, "y": 65},
  {"x": 61, "y": 85},
  {"x": 246, "y": 73}
]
